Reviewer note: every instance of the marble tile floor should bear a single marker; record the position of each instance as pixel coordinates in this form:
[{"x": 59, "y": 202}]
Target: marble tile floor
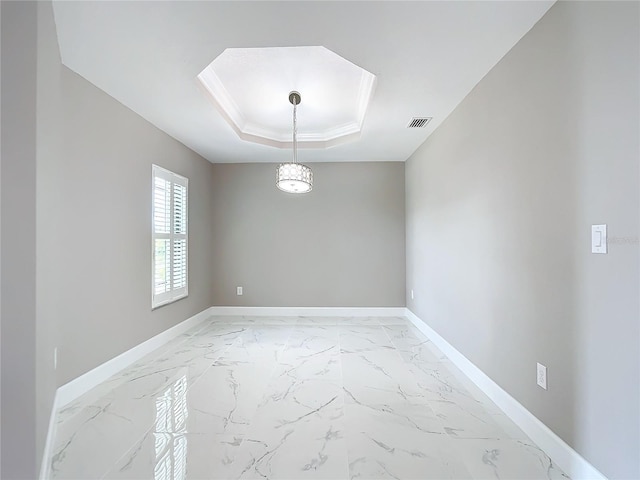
[{"x": 293, "y": 398}]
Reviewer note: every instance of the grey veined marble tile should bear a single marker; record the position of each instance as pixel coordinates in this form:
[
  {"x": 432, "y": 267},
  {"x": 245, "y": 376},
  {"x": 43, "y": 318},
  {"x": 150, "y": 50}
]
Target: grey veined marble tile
[{"x": 245, "y": 397}]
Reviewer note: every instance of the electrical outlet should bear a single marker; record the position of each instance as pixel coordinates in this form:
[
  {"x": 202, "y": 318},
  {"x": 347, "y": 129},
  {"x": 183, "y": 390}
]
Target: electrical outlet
[
  {"x": 238, "y": 290},
  {"x": 55, "y": 358},
  {"x": 412, "y": 294},
  {"x": 541, "y": 376}
]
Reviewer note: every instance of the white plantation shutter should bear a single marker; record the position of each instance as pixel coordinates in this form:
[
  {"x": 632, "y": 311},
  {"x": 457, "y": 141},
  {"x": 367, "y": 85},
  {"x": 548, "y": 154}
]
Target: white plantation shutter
[
  {"x": 179, "y": 262},
  {"x": 170, "y": 242}
]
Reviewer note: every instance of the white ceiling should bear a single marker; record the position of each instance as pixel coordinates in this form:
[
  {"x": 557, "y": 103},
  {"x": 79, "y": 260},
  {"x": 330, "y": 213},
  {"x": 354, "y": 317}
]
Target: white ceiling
[{"x": 426, "y": 56}]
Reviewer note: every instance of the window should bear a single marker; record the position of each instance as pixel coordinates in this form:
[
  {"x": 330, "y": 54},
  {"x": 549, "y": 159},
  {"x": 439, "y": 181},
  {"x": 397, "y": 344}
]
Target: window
[{"x": 170, "y": 239}]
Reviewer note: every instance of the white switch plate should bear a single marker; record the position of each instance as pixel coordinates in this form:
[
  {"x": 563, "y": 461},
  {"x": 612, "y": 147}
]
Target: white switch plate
[
  {"x": 238, "y": 290},
  {"x": 541, "y": 376},
  {"x": 55, "y": 358},
  {"x": 598, "y": 239},
  {"x": 411, "y": 294}
]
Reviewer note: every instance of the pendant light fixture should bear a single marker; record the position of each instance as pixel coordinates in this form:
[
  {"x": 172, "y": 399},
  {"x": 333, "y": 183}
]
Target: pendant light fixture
[{"x": 294, "y": 177}]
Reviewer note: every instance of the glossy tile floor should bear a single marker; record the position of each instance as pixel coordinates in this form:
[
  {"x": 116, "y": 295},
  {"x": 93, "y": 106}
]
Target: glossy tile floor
[{"x": 295, "y": 398}]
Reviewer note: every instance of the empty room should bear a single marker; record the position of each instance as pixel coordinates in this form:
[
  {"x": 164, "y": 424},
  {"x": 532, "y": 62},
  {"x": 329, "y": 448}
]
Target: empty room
[{"x": 320, "y": 240}]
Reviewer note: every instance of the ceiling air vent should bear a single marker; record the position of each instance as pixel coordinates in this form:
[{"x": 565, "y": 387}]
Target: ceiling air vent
[{"x": 418, "y": 122}]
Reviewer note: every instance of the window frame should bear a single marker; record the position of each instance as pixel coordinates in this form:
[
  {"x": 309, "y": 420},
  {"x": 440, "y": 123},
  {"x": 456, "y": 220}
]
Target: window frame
[{"x": 174, "y": 294}]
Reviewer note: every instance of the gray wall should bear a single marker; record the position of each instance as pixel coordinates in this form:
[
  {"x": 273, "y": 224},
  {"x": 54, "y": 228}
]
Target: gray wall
[
  {"x": 18, "y": 225},
  {"x": 76, "y": 193},
  {"x": 94, "y": 230},
  {"x": 500, "y": 203},
  {"x": 50, "y": 144},
  {"x": 342, "y": 244}
]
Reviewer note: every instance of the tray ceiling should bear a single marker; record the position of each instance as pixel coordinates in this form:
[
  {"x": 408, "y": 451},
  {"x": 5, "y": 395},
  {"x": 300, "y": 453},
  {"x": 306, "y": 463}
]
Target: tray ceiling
[
  {"x": 426, "y": 57},
  {"x": 251, "y": 86}
]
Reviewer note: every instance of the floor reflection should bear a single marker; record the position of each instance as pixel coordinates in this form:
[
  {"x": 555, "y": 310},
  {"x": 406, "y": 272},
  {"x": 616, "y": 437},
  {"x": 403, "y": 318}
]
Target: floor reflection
[{"x": 170, "y": 430}]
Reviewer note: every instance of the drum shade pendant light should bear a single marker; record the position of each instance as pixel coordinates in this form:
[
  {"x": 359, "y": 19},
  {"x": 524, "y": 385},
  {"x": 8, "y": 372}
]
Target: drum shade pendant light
[{"x": 293, "y": 177}]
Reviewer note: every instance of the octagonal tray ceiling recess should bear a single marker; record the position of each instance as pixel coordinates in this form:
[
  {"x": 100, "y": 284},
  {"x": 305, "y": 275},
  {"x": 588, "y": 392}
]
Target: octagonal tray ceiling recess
[{"x": 250, "y": 87}]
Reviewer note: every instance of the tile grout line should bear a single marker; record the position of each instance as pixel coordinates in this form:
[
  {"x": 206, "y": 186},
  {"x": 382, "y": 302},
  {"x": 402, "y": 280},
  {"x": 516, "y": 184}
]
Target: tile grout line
[{"x": 344, "y": 402}]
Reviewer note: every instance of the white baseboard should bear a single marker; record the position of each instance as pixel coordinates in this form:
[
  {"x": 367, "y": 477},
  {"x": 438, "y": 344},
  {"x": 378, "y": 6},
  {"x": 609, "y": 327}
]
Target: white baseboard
[
  {"x": 48, "y": 446},
  {"x": 82, "y": 384},
  {"x": 570, "y": 461},
  {"x": 312, "y": 311}
]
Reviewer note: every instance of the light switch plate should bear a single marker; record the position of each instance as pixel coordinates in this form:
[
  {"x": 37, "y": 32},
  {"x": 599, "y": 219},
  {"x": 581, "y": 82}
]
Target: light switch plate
[
  {"x": 238, "y": 290},
  {"x": 598, "y": 239}
]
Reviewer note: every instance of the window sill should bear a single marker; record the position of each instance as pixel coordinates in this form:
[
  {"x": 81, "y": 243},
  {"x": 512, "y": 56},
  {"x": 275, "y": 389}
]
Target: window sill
[{"x": 167, "y": 302}]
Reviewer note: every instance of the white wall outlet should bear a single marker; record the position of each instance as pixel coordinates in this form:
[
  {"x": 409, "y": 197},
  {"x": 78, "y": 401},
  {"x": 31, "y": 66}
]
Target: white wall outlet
[
  {"x": 55, "y": 358},
  {"x": 412, "y": 294},
  {"x": 238, "y": 290},
  {"x": 541, "y": 376}
]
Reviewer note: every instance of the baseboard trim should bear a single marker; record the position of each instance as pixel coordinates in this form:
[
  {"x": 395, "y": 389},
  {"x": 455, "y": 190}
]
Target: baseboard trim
[
  {"x": 48, "y": 445},
  {"x": 570, "y": 461},
  {"x": 311, "y": 311},
  {"x": 82, "y": 384}
]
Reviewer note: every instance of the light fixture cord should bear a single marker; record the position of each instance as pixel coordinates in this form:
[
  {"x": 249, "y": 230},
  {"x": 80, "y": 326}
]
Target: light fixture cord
[{"x": 295, "y": 132}]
